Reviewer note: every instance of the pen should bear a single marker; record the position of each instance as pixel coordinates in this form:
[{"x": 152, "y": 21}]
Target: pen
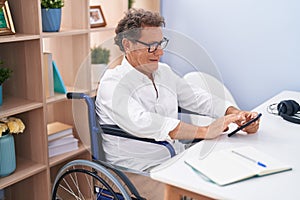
[
  {"x": 251, "y": 159},
  {"x": 245, "y": 125}
]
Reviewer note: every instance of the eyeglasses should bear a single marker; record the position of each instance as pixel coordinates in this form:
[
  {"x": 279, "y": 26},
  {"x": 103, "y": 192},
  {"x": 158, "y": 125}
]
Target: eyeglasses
[{"x": 152, "y": 47}]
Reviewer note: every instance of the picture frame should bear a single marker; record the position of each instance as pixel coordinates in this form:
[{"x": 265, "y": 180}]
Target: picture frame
[
  {"x": 6, "y": 22},
  {"x": 97, "y": 18}
]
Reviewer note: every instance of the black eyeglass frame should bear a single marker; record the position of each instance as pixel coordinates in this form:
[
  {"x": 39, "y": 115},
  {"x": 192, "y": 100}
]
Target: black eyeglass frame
[{"x": 154, "y": 43}]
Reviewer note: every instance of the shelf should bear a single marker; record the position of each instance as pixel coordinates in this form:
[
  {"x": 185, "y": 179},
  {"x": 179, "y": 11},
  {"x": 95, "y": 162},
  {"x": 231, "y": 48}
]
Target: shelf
[
  {"x": 102, "y": 29},
  {"x": 66, "y": 156},
  {"x": 13, "y": 105},
  {"x": 58, "y": 97},
  {"x": 65, "y": 32},
  {"x": 18, "y": 37},
  {"x": 25, "y": 169}
]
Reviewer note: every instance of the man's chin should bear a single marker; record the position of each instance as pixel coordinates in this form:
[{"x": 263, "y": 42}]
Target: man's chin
[
  {"x": 149, "y": 67},
  {"x": 153, "y": 65}
]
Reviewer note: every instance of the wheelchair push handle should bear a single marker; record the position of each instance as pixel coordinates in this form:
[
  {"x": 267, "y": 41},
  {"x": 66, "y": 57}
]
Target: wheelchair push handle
[
  {"x": 75, "y": 95},
  {"x": 89, "y": 101}
]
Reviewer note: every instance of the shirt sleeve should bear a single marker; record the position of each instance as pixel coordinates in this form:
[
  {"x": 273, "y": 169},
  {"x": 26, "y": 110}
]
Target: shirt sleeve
[{"x": 198, "y": 100}]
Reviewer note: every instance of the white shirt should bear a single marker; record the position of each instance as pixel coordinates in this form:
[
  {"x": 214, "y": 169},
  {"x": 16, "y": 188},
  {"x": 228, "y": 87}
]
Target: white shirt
[{"x": 128, "y": 98}]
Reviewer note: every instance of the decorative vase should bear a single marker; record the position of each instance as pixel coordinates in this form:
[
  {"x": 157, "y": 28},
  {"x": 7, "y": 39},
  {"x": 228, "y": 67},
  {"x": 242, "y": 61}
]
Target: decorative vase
[
  {"x": 97, "y": 71},
  {"x": 1, "y": 100},
  {"x": 7, "y": 155},
  {"x": 51, "y": 19}
]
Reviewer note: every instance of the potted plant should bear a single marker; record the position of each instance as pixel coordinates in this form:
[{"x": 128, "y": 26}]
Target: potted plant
[
  {"x": 100, "y": 59},
  {"x": 9, "y": 126},
  {"x": 100, "y": 55},
  {"x": 51, "y": 15},
  {"x": 5, "y": 73}
]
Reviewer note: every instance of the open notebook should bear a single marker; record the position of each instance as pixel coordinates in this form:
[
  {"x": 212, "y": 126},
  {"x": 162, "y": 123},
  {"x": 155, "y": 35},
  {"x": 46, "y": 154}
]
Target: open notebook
[{"x": 232, "y": 165}]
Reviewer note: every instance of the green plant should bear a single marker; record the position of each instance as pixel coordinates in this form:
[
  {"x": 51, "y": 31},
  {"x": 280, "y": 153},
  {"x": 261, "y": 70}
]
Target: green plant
[
  {"x": 130, "y": 3},
  {"x": 5, "y": 73},
  {"x": 52, "y": 3},
  {"x": 100, "y": 55}
]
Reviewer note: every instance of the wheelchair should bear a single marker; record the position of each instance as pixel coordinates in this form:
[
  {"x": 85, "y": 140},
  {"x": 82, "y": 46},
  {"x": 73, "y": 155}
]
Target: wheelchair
[
  {"x": 99, "y": 180},
  {"x": 96, "y": 179}
]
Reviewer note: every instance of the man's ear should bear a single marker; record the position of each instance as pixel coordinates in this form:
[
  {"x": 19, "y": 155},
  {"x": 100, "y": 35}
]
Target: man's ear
[{"x": 126, "y": 44}]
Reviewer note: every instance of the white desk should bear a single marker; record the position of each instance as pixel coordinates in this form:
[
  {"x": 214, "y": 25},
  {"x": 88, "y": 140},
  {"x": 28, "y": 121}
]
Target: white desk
[{"x": 276, "y": 137}]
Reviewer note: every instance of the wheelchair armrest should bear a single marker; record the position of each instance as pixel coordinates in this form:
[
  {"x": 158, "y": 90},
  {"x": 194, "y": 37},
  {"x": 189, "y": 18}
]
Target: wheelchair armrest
[
  {"x": 117, "y": 131},
  {"x": 185, "y": 111}
]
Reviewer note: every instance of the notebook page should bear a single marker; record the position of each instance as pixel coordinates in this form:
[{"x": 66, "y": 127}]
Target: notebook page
[{"x": 221, "y": 167}]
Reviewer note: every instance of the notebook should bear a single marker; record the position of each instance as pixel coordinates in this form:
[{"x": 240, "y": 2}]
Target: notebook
[{"x": 232, "y": 165}]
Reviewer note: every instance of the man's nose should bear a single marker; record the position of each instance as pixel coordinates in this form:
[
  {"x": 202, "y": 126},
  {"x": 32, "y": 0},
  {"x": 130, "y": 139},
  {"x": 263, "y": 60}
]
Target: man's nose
[{"x": 159, "y": 52}]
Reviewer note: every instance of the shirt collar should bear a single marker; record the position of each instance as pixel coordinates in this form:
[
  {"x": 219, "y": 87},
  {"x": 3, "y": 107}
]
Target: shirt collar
[{"x": 128, "y": 67}]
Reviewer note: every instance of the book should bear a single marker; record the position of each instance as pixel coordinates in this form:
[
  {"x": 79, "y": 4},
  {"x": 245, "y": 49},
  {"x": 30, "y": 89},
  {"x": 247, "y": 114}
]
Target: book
[
  {"x": 59, "y": 85},
  {"x": 58, "y": 130},
  {"x": 62, "y": 145},
  {"x": 48, "y": 74},
  {"x": 232, "y": 165},
  {"x": 64, "y": 139}
]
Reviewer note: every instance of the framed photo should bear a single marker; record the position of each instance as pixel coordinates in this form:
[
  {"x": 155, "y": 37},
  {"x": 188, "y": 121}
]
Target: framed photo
[
  {"x": 96, "y": 17},
  {"x": 6, "y": 22}
]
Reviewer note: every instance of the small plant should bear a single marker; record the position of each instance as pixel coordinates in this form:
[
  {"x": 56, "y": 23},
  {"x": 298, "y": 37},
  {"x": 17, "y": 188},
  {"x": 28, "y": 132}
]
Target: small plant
[
  {"x": 5, "y": 73},
  {"x": 52, "y": 3},
  {"x": 130, "y": 3},
  {"x": 100, "y": 55}
]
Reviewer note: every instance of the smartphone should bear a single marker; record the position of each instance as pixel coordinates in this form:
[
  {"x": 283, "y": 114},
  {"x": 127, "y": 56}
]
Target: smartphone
[{"x": 245, "y": 125}]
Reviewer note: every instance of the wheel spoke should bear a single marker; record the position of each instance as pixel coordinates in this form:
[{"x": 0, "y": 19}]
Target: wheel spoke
[
  {"x": 83, "y": 180},
  {"x": 70, "y": 192}
]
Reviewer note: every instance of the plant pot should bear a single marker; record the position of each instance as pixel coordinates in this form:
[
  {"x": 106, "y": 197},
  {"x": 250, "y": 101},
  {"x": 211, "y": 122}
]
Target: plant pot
[
  {"x": 7, "y": 155},
  {"x": 97, "y": 71},
  {"x": 51, "y": 19}
]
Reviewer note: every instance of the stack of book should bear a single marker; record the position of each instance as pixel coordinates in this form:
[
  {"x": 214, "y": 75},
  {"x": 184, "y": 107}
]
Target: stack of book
[{"x": 60, "y": 138}]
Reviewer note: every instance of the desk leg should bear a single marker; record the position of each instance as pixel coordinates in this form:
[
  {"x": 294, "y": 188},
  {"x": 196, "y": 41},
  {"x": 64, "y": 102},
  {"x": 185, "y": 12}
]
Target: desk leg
[{"x": 175, "y": 193}]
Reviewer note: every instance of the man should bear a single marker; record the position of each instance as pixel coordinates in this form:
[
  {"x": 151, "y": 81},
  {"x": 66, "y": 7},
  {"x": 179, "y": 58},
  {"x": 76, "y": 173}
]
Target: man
[{"x": 142, "y": 96}]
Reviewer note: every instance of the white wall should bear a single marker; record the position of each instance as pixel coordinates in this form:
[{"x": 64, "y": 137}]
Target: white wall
[{"x": 254, "y": 43}]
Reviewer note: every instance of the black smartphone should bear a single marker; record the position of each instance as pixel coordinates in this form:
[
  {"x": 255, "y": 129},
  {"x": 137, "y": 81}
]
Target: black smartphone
[{"x": 245, "y": 125}]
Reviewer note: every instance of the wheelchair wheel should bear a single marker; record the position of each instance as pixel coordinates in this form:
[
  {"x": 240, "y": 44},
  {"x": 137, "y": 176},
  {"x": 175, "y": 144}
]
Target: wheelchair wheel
[{"x": 83, "y": 179}]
